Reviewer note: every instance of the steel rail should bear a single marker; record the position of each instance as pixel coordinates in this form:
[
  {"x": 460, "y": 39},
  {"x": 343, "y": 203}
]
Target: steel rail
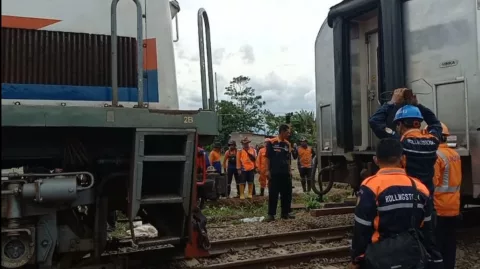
[
  {"x": 254, "y": 242},
  {"x": 274, "y": 240},
  {"x": 283, "y": 260}
]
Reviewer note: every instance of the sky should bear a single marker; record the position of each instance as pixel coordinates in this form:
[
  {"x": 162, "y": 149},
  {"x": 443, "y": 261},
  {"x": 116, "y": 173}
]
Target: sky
[{"x": 270, "y": 41}]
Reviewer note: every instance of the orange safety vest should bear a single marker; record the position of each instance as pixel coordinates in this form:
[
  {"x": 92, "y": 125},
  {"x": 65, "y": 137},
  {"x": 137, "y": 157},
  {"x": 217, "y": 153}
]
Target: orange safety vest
[
  {"x": 262, "y": 159},
  {"x": 305, "y": 157},
  {"x": 243, "y": 159},
  {"x": 447, "y": 180},
  {"x": 214, "y": 157}
]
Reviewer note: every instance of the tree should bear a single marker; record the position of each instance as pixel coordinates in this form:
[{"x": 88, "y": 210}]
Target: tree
[
  {"x": 272, "y": 122},
  {"x": 303, "y": 125},
  {"x": 244, "y": 112},
  {"x": 232, "y": 119},
  {"x": 250, "y": 104}
]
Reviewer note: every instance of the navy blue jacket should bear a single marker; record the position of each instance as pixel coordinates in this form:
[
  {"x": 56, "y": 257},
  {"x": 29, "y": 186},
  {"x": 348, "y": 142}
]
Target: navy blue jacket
[
  {"x": 385, "y": 208},
  {"x": 420, "y": 149}
]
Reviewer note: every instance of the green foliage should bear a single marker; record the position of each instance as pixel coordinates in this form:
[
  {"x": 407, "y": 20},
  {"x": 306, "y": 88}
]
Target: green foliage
[
  {"x": 302, "y": 122},
  {"x": 312, "y": 201},
  {"x": 272, "y": 122},
  {"x": 303, "y": 125},
  {"x": 245, "y": 112},
  {"x": 232, "y": 119}
]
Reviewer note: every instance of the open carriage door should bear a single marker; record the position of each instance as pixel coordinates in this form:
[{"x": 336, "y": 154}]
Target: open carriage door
[{"x": 343, "y": 18}]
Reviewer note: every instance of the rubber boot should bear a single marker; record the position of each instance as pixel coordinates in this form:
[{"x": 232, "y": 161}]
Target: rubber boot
[
  {"x": 242, "y": 191},
  {"x": 253, "y": 188},
  {"x": 250, "y": 190},
  {"x": 262, "y": 192},
  {"x": 304, "y": 186},
  {"x": 309, "y": 185},
  {"x": 238, "y": 190}
]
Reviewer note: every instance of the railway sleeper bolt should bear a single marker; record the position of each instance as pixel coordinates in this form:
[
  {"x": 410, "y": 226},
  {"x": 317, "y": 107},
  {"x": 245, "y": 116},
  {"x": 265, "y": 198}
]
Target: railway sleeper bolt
[
  {"x": 313, "y": 239},
  {"x": 275, "y": 244}
]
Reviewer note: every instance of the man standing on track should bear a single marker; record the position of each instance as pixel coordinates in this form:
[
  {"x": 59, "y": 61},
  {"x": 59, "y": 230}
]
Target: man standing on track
[
  {"x": 230, "y": 166},
  {"x": 262, "y": 167},
  {"x": 419, "y": 148},
  {"x": 279, "y": 173},
  {"x": 215, "y": 157},
  {"x": 447, "y": 180},
  {"x": 305, "y": 156},
  {"x": 392, "y": 208},
  {"x": 246, "y": 158}
]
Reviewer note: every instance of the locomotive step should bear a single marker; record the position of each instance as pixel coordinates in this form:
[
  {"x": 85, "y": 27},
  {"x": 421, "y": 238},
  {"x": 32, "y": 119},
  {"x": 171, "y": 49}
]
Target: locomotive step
[{"x": 161, "y": 199}]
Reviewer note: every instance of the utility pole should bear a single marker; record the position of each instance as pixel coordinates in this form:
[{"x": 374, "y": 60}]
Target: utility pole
[{"x": 216, "y": 86}]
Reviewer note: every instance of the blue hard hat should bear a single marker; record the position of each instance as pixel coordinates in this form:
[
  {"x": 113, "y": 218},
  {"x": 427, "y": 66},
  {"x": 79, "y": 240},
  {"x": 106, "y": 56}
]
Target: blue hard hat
[{"x": 408, "y": 112}]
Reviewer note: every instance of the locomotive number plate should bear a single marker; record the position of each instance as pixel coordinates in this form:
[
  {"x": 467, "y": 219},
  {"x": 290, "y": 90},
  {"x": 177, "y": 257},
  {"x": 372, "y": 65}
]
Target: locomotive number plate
[{"x": 187, "y": 119}]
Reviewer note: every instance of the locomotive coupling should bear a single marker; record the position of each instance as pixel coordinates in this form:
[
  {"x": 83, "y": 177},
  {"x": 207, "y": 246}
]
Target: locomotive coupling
[{"x": 57, "y": 187}]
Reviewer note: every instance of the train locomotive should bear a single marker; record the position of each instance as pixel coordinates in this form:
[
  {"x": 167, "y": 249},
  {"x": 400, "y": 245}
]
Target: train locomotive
[
  {"x": 367, "y": 48},
  {"x": 91, "y": 126}
]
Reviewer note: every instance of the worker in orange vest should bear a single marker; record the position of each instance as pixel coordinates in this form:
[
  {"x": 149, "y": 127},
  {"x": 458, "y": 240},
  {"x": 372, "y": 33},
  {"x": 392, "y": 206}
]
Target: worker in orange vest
[
  {"x": 261, "y": 164},
  {"x": 215, "y": 157},
  {"x": 446, "y": 198},
  {"x": 305, "y": 156},
  {"x": 246, "y": 158}
]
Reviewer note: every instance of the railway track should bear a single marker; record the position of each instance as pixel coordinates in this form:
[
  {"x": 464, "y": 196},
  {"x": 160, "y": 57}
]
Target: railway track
[
  {"x": 282, "y": 239},
  {"x": 282, "y": 250},
  {"x": 335, "y": 253},
  {"x": 327, "y": 244},
  {"x": 338, "y": 254}
]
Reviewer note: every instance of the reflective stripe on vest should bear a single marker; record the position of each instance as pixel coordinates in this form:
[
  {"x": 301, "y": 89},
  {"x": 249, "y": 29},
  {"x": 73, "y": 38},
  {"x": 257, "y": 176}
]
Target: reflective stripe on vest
[{"x": 445, "y": 187}]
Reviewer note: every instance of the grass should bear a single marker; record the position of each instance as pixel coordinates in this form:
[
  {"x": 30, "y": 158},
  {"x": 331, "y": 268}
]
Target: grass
[
  {"x": 226, "y": 213},
  {"x": 121, "y": 230},
  {"x": 220, "y": 213}
]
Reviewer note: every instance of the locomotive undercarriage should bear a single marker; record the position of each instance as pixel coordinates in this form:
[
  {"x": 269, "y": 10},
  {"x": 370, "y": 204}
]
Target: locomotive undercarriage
[{"x": 55, "y": 211}]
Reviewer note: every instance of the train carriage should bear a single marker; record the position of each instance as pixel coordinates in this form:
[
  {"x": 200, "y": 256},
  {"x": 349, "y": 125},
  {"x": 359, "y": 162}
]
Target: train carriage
[{"x": 367, "y": 48}]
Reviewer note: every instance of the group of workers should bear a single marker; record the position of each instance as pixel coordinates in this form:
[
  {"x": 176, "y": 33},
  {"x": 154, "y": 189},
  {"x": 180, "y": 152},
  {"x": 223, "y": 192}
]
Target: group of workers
[
  {"x": 271, "y": 160},
  {"x": 242, "y": 165},
  {"x": 416, "y": 189}
]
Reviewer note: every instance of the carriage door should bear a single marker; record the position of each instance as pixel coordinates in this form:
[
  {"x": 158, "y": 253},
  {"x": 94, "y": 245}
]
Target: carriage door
[{"x": 372, "y": 80}]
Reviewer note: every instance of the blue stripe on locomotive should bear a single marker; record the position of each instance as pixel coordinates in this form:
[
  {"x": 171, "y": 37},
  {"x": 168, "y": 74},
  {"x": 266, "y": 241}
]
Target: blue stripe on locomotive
[{"x": 82, "y": 93}]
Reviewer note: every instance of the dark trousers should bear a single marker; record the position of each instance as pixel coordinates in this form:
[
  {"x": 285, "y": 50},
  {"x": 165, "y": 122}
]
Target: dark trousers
[
  {"x": 446, "y": 240},
  {"x": 279, "y": 184},
  {"x": 231, "y": 173},
  {"x": 246, "y": 177},
  {"x": 305, "y": 173}
]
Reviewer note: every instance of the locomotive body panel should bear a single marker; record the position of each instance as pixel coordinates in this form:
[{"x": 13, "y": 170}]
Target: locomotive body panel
[{"x": 71, "y": 25}]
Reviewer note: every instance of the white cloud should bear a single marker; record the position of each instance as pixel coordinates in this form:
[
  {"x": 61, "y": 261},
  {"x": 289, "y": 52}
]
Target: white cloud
[{"x": 271, "y": 41}]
